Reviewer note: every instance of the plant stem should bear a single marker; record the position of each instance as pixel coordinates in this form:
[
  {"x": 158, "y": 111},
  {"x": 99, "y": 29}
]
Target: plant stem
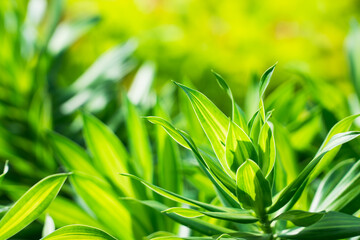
[{"x": 265, "y": 225}]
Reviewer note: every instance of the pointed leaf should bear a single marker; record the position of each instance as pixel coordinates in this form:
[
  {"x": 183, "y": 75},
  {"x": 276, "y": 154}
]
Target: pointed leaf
[
  {"x": 174, "y": 196},
  {"x": 212, "y": 120},
  {"x": 109, "y": 154},
  {"x": 71, "y": 155},
  {"x": 139, "y": 142},
  {"x": 265, "y": 80},
  {"x": 300, "y": 218},
  {"x": 31, "y": 205}
]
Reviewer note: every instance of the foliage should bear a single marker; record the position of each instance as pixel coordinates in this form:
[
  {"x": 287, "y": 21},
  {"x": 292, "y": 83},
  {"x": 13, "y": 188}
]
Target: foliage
[{"x": 243, "y": 172}]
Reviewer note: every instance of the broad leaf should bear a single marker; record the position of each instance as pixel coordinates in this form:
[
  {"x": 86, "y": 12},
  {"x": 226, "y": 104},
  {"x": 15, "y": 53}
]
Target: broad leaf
[
  {"x": 80, "y": 232},
  {"x": 267, "y": 149},
  {"x": 239, "y": 147},
  {"x": 71, "y": 155},
  {"x": 300, "y": 218},
  {"x": 103, "y": 202},
  {"x": 253, "y": 190},
  {"x": 109, "y": 154},
  {"x": 31, "y": 205}
]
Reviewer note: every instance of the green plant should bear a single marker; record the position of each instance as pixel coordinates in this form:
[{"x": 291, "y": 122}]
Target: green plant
[
  {"x": 96, "y": 182},
  {"x": 253, "y": 199}
]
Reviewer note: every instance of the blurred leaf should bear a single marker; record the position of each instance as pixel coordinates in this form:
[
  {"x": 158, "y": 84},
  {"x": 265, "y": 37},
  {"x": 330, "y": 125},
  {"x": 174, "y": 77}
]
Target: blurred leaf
[
  {"x": 71, "y": 155},
  {"x": 6, "y": 169},
  {"x": 110, "y": 156},
  {"x": 303, "y": 177},
  {"x": 31, "y": 205},
  {"x": 341, "y": 192},
  {"x": 107, "y": 208},
  {"x": 79, "y": 232},
  {"x": 333, "y": 225},
  {"x": 49, "y": 226},
  {"x": 140, "y": 150},
  {"x": 67, "y": 33}
]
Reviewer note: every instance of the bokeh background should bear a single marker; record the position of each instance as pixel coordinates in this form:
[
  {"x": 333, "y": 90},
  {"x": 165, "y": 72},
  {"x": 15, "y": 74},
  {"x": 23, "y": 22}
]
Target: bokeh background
[{"x": 235, "y": 38}]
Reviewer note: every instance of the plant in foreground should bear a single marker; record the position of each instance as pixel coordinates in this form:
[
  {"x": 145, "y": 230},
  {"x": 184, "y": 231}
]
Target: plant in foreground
[{"x": 245, "y": 170}]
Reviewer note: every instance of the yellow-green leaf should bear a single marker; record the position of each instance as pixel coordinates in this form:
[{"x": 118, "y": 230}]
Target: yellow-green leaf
[
  {"x": 253, "y": 190},
  {"x": 79, "y": 232},
  {"x": 31, "y": 205},
  {"x": 109, "y": 154}
]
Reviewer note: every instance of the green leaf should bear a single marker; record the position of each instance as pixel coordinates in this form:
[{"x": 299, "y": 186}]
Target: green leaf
[
  {"x": 184, "y": 212},
  {"x": 199, "y": 225},
  {"x": 109, "y": 154},
  {"x": 71, "y": 155},
  {"x": 265, "y": 80},
  {"x": 300, "y": 218},
  {"x": 343, "y": 191},
  {"x": 267, "y": 150},
  {"x": 239, "y": 147},
  {"x": 139, "y": 142},
  {"x": 210, "y": 166},
  {"x": 173, "y": 196},
  {"x": 239, "y": 216},
  {"x": 80, "y": 232},
  {"x": 103, "y": 201},
  {"x": 213, "y": 121},
  {"x": 72, "y": 30},
  {"x": 236, "y": 113},
  {"x": 333, "y": 225},
  {"x": 170, "y": 129},
  {"x": 168, "y": 159},
  {"x": 341, "y": 126},
  {"x": 6, "y": 169},
  {"x": 31, "y": 205},
  {"x": 65, "y": 211},
  {"x": 253, "y": 190},
  {"x": 287, "y": 194},
  {"x": 245, "y": 235},
  {"x": 329, "y": 182}
]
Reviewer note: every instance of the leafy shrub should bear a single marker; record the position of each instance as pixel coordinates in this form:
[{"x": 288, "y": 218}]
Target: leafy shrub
[{"x": 244, "y": 169}]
